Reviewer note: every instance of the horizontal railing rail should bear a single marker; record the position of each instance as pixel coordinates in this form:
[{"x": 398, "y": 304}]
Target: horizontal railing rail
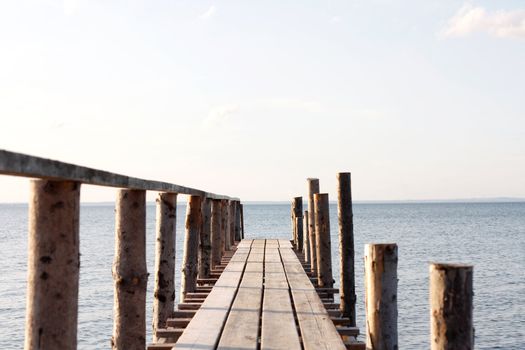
[{"x": 18, "y": 164}]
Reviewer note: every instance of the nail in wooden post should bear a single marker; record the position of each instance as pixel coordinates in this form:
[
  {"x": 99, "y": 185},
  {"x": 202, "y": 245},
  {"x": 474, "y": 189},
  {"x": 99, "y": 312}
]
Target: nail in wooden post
[
  {"x": 323, "y": 244},
  {"x": 53, "y": 265},
  {"x": 130, "y": 273},
  {"x": 306, "y": 241},
  {"x": 297, "y": 217},
  {"x": 313, "y": 187},
  {"x": 242, "y": 221},
  {"x": 190, "y": 259},
  {"x": 216, "y": 212},
  {"x": 205, "y": 240},
  {"x": 346, "y": 248},
  {"x": 238, "y": 221},
  {"x": 164, "y": 293},
  {"x": 451, "y": 294},
  {"x": 381, "y": 296}
]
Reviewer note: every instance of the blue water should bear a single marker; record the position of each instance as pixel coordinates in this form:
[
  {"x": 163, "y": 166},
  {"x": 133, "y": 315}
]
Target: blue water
[{"x": 491, "y": 236}]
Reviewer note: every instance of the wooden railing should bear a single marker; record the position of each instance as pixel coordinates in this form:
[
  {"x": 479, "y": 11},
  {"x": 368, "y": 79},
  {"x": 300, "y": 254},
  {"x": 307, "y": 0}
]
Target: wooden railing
[{"x": 213, "y": 223}]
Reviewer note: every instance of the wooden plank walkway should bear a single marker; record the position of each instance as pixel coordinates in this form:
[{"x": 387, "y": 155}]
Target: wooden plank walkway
[{"x": 263, "y": 299}]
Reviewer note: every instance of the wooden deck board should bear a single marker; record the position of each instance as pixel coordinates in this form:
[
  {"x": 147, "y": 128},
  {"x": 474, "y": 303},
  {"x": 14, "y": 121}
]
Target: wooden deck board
[
  {"x": 242, "y": 327},
  {"x": 279, "y": 330},
  {"x": 317, "y": 330},
  {"x": 261, "y": 292},
  {"x": 205, "y": 328}
]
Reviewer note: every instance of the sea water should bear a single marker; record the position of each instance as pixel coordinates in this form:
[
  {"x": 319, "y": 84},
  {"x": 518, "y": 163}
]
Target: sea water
[{"x": 490, "y": 236}]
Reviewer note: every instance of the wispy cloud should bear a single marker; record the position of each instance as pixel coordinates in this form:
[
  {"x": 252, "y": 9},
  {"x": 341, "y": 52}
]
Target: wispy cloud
[
  {"x": 220, "y": 115},
  {"x": 474, "y": 19},
  {"x": 335, "y": 19},
  {"x": 210, "y": 12}
]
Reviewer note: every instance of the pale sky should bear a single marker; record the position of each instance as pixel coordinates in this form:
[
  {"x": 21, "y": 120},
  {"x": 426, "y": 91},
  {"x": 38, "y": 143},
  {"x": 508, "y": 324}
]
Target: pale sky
[{"x": 418, "y": 99}]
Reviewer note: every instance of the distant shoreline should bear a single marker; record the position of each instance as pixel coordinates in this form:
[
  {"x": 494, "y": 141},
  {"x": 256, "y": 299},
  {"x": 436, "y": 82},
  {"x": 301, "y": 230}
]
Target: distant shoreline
[{"x": 393, "y": 201}]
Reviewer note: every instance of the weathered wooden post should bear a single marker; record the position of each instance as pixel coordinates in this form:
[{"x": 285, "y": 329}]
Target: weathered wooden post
[
  {"x": 225, "y": 236},
  {"x": 129, "y": 271},
  {"x": 346, "y": 248},
  {"x": 238, "y": 221},
  {"x": 232, "y": 223},
  {"x": 216, "y": 212},
  {"x": 292, "y": 221},
  {"x": 381, "y": 296},
  {"x": 323, "y": 244},
  {"x": 297, "y": 222},
  {"x": 205, "y": 240},
  {"x": 164, "y": 293},
  {"x": 190, "y": 258},
  {"x": 451, "y": 295},
  {"x": 313, "y": 187},
  {"x": 306, "y": 241},
  {"x": 227, "y": 224},
  {"x": 242, "y": 221},
  {"x": 53, "y": 265}
]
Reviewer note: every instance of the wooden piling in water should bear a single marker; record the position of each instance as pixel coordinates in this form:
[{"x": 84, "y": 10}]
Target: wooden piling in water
[
  {"x": 164, "y": 293},
  {"x": 297, "y": 222},
  {"x": 225, "y": 235},
  {"x": 381, "y": 296},
  {"x": 205, "y": 240},
  {"x": 130, "y": 271},
  {"x": 238, "y": 221},
  {"x": 231, "y": 227},
  {"x": 451, "y": 294},
  {"x": 191, "y": 247},
  {"x": 53, "y": 265},
  {"x": 306, "y": 240},
  {"x": 346, "y": 248},
  {"x": 216, "y": 212},
  {"x": 242, "y": 221},
  {"x": 313, "y": 187},
  {"x": 323, "y": 244}
]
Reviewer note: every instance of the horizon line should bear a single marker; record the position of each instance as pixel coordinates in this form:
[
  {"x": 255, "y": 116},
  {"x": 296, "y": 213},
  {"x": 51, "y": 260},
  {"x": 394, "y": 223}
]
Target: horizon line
[{"x": 357, "y": 201}]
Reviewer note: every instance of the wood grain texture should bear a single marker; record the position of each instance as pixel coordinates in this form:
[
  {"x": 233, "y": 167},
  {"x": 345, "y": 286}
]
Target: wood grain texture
[
  {"x": 205, "y": 240},
  {"x": 216, "y": 213},
  {"x": 204, "y": 330},
  {"x": 190, "y": 259},
  {"x": 451, "y": 294},
  {"x": 381, "y": 296},
  {"x": 130, "y": 273},
  {"x": 323, "y": 241},
  {"x": 317, "y": 330},
  {"x": 279, "y": 330},
  {"x": 164, "y": 293},
  {"x": 313, "y": 187},
  {"x": 18, "y": 164},
  {"x": 346, "y": 247},
  {"x": 242, "y": 325},
  {"x": 53, "y": 265}
]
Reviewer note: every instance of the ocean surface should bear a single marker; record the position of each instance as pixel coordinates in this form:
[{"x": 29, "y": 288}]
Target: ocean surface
[{"x": 491, "y": 236}]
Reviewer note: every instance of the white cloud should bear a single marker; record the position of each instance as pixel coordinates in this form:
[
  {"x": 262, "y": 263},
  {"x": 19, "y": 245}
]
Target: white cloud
[
  {"x": 220, "y": 115},
  {"x": 210, "y": 12},
  {"x": 335, "y": 19},
  {"x": 474, "y": 19}
]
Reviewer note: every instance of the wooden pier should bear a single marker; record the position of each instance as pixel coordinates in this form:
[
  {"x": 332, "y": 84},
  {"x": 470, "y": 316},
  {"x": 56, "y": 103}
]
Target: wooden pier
[
  {"x": 263, "y": 299},
  {"x": 236, "y": 292}
]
